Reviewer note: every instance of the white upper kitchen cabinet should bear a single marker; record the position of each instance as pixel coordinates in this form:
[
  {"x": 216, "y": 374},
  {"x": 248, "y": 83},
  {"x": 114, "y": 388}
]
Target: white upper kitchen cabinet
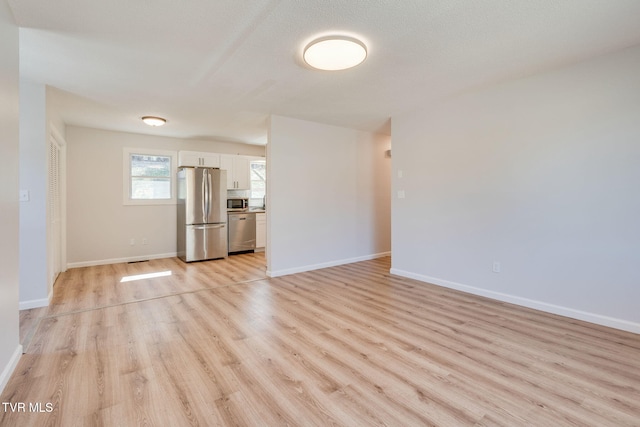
[
  {"x": 197, "y": 158},
  {"x": 237, "y": 168}
]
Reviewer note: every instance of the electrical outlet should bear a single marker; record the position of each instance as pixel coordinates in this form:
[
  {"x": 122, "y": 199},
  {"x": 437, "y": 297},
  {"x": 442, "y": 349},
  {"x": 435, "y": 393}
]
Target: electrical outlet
[
  {"x": 132, "y": 242},
  {"x": 496, "y": 266},
  {"x": 401, "y": 194},
  {"x": 144, "y": 241}
]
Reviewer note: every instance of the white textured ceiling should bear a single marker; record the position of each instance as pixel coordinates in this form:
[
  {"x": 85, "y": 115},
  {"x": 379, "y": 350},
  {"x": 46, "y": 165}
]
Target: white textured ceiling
[{"x": 217, "y": 68}]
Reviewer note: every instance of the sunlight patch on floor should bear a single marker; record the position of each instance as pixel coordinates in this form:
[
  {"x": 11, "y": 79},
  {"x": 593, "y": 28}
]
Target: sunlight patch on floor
[{"x": 145, "y": 276}]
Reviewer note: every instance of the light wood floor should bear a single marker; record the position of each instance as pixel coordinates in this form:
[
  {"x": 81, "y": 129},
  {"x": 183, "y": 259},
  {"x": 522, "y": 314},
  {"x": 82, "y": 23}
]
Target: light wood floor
[{"x": 217, "y": 343}]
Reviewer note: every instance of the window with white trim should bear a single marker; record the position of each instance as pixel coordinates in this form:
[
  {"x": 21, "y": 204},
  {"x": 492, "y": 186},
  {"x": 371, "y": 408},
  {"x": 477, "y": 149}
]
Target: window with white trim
[
  {"x": 149, "y": 177},
  {"x": 258, "y": 176}
]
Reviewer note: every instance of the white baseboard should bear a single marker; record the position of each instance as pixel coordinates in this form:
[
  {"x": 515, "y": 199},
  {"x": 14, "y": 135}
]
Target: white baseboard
[
  {"x": 598, "y": 319},
  {"x": 11, "y": 366},
  {"x": 36, "y": 303},
  {"x": 304, "y": 268},
  {"x": 119, "y": 260}
]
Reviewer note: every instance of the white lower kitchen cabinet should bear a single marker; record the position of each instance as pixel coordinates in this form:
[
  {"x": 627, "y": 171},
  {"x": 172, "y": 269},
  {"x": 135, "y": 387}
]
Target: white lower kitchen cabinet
[{"x": 261, "y": 230}]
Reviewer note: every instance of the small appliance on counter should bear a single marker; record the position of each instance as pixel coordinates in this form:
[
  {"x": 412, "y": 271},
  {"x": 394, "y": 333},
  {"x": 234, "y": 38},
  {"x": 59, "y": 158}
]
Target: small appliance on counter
[{"x": 237, "y": 204}]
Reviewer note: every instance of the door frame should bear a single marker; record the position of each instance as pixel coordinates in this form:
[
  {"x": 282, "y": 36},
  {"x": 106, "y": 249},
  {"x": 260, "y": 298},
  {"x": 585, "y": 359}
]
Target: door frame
[{"x": 56, "y": 138}]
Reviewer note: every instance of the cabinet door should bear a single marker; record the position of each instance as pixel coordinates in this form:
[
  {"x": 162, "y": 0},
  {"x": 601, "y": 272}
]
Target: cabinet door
[
  {"x": 261, "y": 230},
  {"x": 196, "y": 158},
  {"x": 211, "y": 160},
  {"x": 237, "y": 168},
  {"x": 188, "y": 158},
  {"x": 226, "y": 163},
  {"x": 241, "y": 172}
]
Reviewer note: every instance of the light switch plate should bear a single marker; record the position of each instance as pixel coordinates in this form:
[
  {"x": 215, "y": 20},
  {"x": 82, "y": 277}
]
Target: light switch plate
[{"x": 24, "y": 195}]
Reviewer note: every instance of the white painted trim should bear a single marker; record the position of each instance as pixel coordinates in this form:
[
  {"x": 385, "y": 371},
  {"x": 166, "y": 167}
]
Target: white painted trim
[
  {"x": 120, "y": 260},
  {"x": 62, "y": 142},
  {"x": 598, "y": 319},
  {"x": 52, "y": 269},
  {"x": 34, "y": 303},
  {"x": 304, "y": 268},
  {"x": 11, "y": 366},
  {"x": 37, "y": 303},
  {"x": 56, "y": 134},
  {"x": 126, "y": 176}
]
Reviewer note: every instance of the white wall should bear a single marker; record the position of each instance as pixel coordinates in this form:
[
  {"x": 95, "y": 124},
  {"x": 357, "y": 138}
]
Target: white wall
[
  {"x": 10, "y": 349},
  {"x": 99, "y": 226},
  {"x": 328, "y": 195},
  {"x": 541, "y": 174},
  {"x": 54, "y": 118},
  {"x": 39, "y": 118},
  {"x": 33, "y": 178}
]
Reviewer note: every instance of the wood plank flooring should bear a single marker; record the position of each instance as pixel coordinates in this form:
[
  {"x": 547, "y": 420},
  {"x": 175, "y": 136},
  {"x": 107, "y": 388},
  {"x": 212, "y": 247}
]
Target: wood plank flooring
[{"x": 218, "y": 343}]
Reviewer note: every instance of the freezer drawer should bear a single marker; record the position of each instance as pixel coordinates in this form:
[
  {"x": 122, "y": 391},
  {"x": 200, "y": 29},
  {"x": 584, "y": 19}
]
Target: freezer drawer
[{"x": 206, "y": 241}]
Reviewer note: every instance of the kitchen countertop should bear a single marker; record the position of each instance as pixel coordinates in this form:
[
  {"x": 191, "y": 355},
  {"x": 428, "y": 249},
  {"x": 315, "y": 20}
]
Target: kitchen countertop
[{"x": 249, "y": 210}]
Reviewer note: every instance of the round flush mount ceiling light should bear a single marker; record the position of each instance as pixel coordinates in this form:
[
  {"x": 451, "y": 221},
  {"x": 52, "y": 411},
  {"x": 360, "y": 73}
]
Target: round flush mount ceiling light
[
  {"x": 333, "y": 53},
  {"x": 154, "y": 121}
]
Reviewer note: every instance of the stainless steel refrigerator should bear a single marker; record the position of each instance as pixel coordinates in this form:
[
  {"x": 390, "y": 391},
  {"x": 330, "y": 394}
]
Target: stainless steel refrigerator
[{"x": 202, "y": 213}]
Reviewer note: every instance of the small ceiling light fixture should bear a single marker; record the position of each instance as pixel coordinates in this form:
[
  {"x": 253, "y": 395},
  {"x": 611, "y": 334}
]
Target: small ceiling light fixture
[
  {"x": 154, "y": 121},
  {"x": 333, "y": 53}
]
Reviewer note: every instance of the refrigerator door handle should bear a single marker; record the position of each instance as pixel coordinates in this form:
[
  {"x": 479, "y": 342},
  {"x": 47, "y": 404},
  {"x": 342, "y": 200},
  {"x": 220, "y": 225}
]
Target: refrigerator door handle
[
  {"x": 208, "y": 226},
  {"x": 209, "y": 194},
  {"x": 205, "y": 177},
  {"x": 204, "y": 195}
]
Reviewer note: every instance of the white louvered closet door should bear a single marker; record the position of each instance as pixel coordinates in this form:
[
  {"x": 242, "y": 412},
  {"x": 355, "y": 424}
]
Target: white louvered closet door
[{"x": 53, "y": 212}]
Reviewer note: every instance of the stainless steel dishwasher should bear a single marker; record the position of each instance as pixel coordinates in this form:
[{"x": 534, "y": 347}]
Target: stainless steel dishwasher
[{"x": 242, "y": 231}]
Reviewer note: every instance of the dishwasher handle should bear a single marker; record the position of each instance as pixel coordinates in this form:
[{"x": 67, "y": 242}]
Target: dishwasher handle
[{"x": 242, "y": 217}]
